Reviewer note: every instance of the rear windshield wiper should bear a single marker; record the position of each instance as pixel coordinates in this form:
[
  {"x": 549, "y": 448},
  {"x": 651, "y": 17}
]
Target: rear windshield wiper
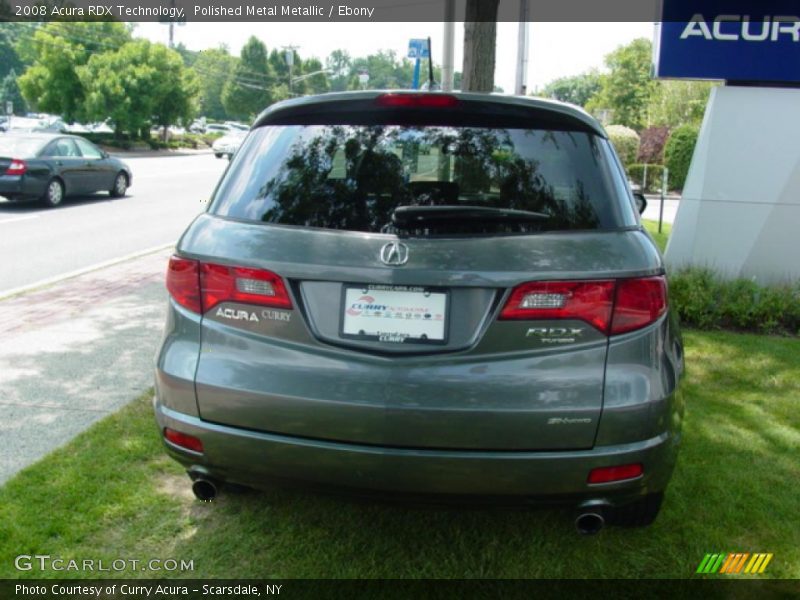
[{"x": 409, "y": 216}]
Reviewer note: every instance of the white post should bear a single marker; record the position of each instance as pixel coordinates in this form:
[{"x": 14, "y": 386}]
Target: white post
[
  {"x": 521, "y": 86},
  {"x": 448, "y": 45}
]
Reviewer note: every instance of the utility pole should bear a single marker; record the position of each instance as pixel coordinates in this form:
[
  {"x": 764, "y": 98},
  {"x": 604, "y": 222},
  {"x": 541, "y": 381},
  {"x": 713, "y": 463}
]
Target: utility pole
[
  {"x": 448, "y": 72},
  {"x": 521, "y": 85},
  {"x": 289, "y": 56}
]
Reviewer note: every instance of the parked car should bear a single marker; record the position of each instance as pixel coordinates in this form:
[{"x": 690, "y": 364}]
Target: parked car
[
  {"x": 228, "y": 144},
  {"x": 217, "y": 128},
  {"x": 236, "y": 126},
  {"x": 425, "y": 293},
  {"x": 50, "y": 167}
]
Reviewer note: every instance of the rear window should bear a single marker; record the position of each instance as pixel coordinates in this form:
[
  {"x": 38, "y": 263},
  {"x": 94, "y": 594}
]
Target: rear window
[
  {"x": 353, "y": 178},
  {"x": 19, "y": 147}
]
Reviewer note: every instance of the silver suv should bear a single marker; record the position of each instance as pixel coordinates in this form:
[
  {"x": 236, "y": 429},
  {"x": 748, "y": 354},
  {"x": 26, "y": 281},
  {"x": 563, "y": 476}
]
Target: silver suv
[{"x": 425, "y": 293}]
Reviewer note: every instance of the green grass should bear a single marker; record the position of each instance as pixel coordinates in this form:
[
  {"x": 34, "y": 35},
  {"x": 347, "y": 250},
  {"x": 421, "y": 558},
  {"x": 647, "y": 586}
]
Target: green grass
[
  {"x": 660, "y": 238},
  {"x": 113, "y": 493}
]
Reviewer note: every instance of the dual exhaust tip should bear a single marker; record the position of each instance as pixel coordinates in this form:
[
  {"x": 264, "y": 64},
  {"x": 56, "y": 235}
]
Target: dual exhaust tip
[
  {"x": 589, "y": 521},
  {"x": 204, "y": 487}
]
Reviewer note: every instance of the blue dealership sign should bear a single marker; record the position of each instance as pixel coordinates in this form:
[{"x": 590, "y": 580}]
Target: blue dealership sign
[
  {"x": 417, "y": 49},
  {"x": 733, "y": 40}
]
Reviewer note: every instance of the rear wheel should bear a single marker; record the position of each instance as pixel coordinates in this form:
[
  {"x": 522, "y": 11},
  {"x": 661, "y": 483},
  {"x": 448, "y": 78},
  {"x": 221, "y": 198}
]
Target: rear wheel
[
  {"x": 218, "y": 154},
  {"x": 120, "y": 186},
  {"x": 54, "y": 193},
  {"x": 641, "y": 513}
]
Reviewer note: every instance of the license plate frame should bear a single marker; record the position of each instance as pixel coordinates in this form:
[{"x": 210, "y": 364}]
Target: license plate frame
[{"x": 387, "y": 295}]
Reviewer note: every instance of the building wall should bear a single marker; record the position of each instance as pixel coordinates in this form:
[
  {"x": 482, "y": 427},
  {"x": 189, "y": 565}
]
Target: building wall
[{"x": 740, "y": 210}]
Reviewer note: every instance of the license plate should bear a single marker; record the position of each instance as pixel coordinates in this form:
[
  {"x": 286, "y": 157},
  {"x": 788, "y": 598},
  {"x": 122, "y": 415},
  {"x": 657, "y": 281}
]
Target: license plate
[{"x": 396, "y": 314}]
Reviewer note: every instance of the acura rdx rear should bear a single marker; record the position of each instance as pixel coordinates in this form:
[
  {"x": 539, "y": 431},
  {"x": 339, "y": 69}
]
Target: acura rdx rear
[{"x": 424, "y": 293}]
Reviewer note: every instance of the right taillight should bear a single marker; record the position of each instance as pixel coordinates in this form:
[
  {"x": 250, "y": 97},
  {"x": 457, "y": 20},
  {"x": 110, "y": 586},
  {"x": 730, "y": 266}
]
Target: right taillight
[
  {"x": 638, "y": 302},
  {"x": 201, "y": 286},
  {"x": 612, "y": 307}
]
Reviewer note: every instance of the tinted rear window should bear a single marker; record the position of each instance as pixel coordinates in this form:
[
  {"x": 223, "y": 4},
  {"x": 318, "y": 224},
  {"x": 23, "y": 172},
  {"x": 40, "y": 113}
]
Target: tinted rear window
[{"x": 353, "y": 177}]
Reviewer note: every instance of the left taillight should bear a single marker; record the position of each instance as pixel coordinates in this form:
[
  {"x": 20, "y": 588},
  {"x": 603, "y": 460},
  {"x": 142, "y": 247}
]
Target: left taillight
[
  {"x": 201, "y": 286},
  {"x": 183, "y": 282},
  {"x": 17, "y": 167},
  {"x": 612, "y": 307}
]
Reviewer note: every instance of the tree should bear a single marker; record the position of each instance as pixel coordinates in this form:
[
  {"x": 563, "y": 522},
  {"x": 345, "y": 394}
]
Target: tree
[
  {"x": 480, "y": 35},
  {"x": 628, "y": 87},
  {"x": 385, "y": 70},
  {"x": 189, "y": 56},
  {"x": 575, "y": 90},
  {"x": 9, "y": 61},
  {"x": 340, "y": 63},
  {"x": 138, "y": 86},
  {"x": 676, "y": 103},
  {"x": 315, "y": 84},
  {"x": 213, "y": 68},
  {"x": 250, "y": 88},
  {"x": 57, "y": 50},
  {"x": 10, "y": 92}
]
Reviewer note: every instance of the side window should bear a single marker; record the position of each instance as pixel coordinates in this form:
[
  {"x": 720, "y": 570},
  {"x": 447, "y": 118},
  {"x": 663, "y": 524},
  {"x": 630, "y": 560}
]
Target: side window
[
  {"x": 51, "y": 150},
  {"x": 88, "y": 149},
  {"x": 62, "y": 148}
]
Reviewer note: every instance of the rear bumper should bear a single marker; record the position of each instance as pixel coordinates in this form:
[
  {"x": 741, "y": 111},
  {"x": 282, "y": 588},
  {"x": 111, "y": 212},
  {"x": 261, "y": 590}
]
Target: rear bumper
[
  {"x": 15, "y": 187},
  {"x": 255, "y": 458}
]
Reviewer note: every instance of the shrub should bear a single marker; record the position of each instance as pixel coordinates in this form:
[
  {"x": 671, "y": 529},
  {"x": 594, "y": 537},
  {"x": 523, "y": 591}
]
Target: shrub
[
  {"x": 651, "y": 145},
  {"x": 625, "y": 141},
  {"x": 678, "y": 154},
  {"x": 706, "y": 301}
]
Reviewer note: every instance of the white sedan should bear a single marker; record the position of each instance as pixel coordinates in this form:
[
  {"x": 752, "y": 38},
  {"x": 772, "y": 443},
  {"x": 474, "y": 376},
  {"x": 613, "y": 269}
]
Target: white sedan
[{"x": 228, "y": 144}]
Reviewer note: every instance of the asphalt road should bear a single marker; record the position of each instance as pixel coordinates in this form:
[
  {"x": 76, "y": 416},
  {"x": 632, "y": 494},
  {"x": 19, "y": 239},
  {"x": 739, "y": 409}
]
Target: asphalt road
[{"x": 39, "y": 244}]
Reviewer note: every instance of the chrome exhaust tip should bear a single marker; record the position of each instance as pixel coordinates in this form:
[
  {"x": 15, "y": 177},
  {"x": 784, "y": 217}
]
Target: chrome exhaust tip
[
  {"x": 590, "y": 522},
  {"x": 204, "y": 490}
]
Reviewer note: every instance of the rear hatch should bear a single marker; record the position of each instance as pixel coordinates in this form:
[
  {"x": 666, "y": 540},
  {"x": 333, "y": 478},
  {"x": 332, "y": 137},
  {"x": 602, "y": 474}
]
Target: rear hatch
[{"x": 419, "y": 276}]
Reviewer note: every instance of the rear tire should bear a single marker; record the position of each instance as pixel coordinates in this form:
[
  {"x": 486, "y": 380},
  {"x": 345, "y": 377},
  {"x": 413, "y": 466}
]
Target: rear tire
[
  {"x": 218, "y": 154},
  {"x": 54, "y": 193},
  {"x": 641, "y": 513},
  {"x": 120, "y": 186}
]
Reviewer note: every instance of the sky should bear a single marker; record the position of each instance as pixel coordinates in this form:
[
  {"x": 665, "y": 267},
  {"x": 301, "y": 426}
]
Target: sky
[{"x": 555, "y": 49}]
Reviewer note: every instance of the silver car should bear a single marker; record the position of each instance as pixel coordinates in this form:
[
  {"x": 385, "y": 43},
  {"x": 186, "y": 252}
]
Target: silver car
[{"x": 448, "y": 295}]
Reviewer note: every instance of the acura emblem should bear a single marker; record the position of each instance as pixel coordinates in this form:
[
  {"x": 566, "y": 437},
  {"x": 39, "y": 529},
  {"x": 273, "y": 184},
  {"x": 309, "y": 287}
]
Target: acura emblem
[{"x": 394, "y": 254}]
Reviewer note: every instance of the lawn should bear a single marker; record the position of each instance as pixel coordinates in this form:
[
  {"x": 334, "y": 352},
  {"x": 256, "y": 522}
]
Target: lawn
[
  {"x": 660, "y": 238},
  {"x": 112, "y": 493}
]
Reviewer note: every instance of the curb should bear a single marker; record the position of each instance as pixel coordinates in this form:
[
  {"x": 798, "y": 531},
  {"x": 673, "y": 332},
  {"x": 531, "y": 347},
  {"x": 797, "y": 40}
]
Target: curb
[{"x": 5, "y": 295}]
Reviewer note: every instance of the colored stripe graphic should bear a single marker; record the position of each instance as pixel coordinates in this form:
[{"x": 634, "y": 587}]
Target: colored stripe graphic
[{"x": 734, "y": 563}]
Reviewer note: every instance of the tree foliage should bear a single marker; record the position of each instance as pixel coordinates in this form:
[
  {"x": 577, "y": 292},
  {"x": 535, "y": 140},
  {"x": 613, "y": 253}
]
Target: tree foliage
[
  {"x": 250, "y": 88},
  {"x": 575, "y": 90},
  {"x": 627, "y": 89},
  {"x": 9, "y": 60},
  {"x": 213, "y": 67},
  {"x": 57, "y": 50},
  {"x": 10, "y": 92},
  {"x": 651, "y": 146},
  {"x": 677, "y": 103},
  {"x": 138, "y": 86}
]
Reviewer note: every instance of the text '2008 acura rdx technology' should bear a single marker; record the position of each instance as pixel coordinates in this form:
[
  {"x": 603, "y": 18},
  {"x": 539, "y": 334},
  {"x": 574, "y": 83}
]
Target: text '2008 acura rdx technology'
[{"x": 425, "y": 293}]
